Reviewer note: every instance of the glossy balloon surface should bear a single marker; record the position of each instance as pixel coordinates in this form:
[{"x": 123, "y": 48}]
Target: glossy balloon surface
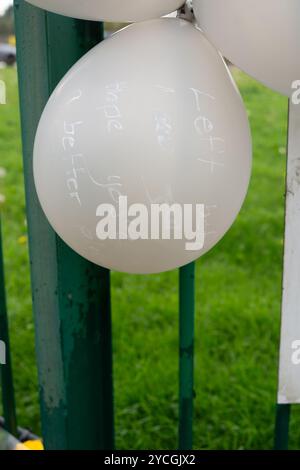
[
  {"x": 110, "y": 10},
  {"x": 139, "y": 117},
  {"x": 262, "y": 37}
]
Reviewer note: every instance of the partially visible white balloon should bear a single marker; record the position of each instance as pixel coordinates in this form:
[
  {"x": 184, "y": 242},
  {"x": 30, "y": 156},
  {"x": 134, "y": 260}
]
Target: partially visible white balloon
[
  {"x": 262, "y": 37},
  {"x": 110, "y": 10},
  {"x": 139, "y": 117}
]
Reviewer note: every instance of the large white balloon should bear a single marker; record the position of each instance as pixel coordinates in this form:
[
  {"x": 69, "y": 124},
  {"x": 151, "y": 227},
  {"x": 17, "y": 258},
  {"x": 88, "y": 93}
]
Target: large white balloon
[
  {"x": 110, "y": 10},
  {"x": 139, "y": 118},
  {"x": 262, "y": 37}
]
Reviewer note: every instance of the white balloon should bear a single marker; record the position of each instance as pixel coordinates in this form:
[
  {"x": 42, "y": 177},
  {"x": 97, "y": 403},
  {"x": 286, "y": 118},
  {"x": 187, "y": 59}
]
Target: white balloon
[
  {"x": 262, "y": 37},
  {"x": 110, "y": 10},
  {"x": 139, "y": 117}
]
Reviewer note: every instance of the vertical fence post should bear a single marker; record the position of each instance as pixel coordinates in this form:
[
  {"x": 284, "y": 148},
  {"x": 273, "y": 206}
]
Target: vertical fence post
[
  {"x": 289, "y": 379},
  {"x": 71, "y": 297},
  {"x": 282, "y": 427},
  {"x": 186, "y": 363},
  {"x": 8, "y": 397}
]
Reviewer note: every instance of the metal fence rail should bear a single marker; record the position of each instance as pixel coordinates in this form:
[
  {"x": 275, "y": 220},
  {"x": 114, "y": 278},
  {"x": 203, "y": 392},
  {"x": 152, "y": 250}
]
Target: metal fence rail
[
  {"x": 186, "y": 354},
  {"x": 71, "y": 297}
]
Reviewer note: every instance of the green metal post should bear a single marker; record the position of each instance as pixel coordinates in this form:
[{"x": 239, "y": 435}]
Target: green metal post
[
  {"x": 186, "y": 366},
  {"x": 8, "y": 396},
  {"x": 282, "y": 427},
  {"x": 71, "y": 297}
]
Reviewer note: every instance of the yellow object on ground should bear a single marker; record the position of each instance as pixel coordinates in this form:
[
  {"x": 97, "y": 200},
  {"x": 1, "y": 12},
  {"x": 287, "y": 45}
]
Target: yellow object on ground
[
  {"x": 34, "y": 445},
  {"x": 21, "y": 447},
  {"x": 8, "y": 442}
]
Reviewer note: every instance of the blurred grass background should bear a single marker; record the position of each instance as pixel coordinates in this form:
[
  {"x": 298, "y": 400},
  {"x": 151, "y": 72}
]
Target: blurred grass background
[{"x": 237, "y": 312}]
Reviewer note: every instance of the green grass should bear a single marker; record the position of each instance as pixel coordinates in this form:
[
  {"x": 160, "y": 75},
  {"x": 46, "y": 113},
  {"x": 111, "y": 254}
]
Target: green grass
[{"x": 238, "y": 308}]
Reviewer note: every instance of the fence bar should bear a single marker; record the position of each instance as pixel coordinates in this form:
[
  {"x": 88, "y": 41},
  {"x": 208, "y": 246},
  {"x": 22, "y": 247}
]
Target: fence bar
[
  {"x": 71, "y": 297},
  {"x": 282, "y": 427},
  {"x": 8, "y": 396},
  {"x": 289, "y": 379},
  {"x": 186, "y": 365}
]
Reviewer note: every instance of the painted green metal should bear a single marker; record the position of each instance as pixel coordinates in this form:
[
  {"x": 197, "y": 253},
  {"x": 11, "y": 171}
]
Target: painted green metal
[
  {"x": 8, "y": 396},
  {"x": 282, "y": 427},
  {"x": 71, "y": 297},
  {"x": 186, "y": 366}
]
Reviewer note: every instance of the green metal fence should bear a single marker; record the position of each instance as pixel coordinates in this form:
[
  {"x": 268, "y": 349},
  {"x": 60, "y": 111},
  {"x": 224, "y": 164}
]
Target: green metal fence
[{"x": 71, "y": 296}]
